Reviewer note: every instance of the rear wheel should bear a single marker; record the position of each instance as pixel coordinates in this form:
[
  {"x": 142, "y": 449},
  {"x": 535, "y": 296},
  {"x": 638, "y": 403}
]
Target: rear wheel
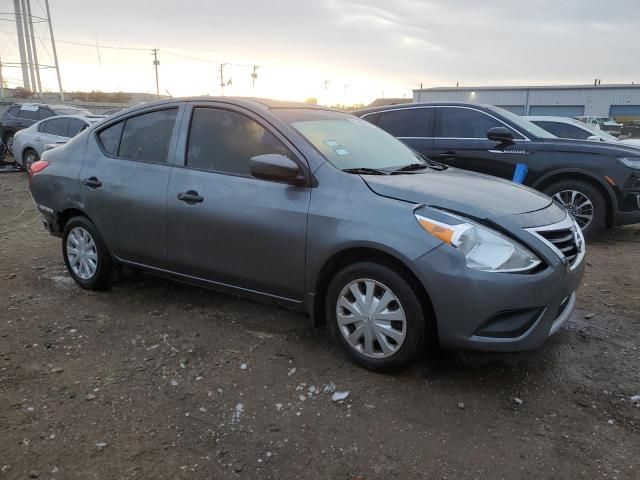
[
  {"x": 85, "y": 255},
  {"x": 29, "y": 157},
  {"x": 8, "y": 142},
  {"x": 583, "y": 201},
  {"x": 376, "y": 316}
]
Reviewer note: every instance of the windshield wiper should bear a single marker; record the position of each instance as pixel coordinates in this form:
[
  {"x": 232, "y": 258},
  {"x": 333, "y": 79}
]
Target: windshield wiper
[
  {"x": 410, "y": 168},
  {"x": 365, "y": 171}
]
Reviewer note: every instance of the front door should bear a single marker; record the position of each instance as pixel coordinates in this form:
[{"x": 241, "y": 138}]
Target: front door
[
  {"x": 226, "y": 226},
  {"x": 461, "y": 141}
]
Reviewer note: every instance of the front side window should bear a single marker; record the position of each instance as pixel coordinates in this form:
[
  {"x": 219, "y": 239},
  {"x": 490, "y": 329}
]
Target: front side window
[
  {"x": 464, "y": 123},
  {"x": 57, "y": 126},
  {"x": 110, "y": 138},
  {"x": 407, "y": 122},
  {"x": 44, "y": 113},
  {"x": 147, "y": 137},
  {"x": 225, "y": 141}
]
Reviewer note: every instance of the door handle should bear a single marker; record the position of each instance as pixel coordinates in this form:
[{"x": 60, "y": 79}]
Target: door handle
[
  {"x": 190, "y": 197},
  {"x": 38, "y": 139},
  {"x": 448, "y": 155},
  {"x": 92, "y": 182}
]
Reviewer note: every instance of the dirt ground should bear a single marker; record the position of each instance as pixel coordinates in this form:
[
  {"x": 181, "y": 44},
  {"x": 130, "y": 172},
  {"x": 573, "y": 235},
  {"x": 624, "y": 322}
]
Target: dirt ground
[{"x": 155, "y": 379}]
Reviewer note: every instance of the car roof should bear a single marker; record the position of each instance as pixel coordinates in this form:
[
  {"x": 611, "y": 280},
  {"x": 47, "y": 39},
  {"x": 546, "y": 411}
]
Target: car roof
[
  {"x": 88, "y": 118},
  {"x": 572, "y": 121},
  {"x": 403, "y": 106}
]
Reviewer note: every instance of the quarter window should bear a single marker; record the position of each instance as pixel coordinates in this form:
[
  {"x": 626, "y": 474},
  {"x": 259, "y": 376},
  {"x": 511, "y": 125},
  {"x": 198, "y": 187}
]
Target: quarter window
[
  {"x": 147, "y": 137},
  {"x": 57, "y": 126},
  {"x": 225, "y": 141},
  {"x": 110, "y": 138},
  {"x": 466, "y": 123},
  {"x": 407, "y": 122}
]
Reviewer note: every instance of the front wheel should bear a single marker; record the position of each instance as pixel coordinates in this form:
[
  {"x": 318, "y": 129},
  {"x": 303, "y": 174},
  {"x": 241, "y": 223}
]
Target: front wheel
[
  {"x": 29, "y": 157},
  {"x": 8, "y": 142},
  {"x": 376, "y": 316},
  {"x": 85, "y": 255},
  {"x": 583, "y": 201}
]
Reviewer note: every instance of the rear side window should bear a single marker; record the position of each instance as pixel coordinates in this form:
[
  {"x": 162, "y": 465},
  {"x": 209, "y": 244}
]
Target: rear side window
[
  {"x": 225, "y": 141},
  {"x": 75, "y": 127},
  {"x": 407, "y": 122},
  {"x": 29, "y": 113},
  {"x": 57, "y": 126},
  {"x": 14, "y": 111},
  {"x": 110, "y": 138},
  {"x": 147, "y": 137},
  {"x": 465, "y": 123}
]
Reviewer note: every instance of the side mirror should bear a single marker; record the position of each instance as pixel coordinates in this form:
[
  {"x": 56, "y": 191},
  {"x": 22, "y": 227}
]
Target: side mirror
[
  {"x": 500, "y": 134},
  {"x": 594, "y": 138},
  {"x": 274, "y": 166}
]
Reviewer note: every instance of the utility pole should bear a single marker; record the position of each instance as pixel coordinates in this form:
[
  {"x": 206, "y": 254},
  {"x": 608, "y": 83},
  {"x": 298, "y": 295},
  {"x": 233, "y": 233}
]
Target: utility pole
[
  {"x": 27, "y": 41},
  {"x": 156, "y": 63},
  {"x": 53, "y": 47},
  {"x": 1, "y": 81},
  {"x": 222, "y": 79},
  {"x": 254, "y": 75},
  {"x": 36, "y": 65},
  {"x": 23, "y": 57}
]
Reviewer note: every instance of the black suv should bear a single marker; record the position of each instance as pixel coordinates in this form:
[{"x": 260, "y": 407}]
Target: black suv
[
  {"x": 23, "y": 115},
  {"x": 599, "y": 183}
]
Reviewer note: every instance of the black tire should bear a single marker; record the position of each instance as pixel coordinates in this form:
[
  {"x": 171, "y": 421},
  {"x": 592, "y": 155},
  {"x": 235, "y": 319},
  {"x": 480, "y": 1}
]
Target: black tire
[
  {"x": 8, "y": 141},
  {"x": 29, "y": 153},
  {"x": 103, "y": 275},
  {"x": 416, "y": 322},
  {"x": 593, "y": 194}
]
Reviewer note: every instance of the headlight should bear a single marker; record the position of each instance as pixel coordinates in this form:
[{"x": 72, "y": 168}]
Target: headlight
[
  {"x": 484, "y": 249},
  {"x": 631, "y": 162}
]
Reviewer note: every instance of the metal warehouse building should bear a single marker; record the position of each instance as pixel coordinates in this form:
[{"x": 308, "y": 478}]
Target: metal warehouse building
[{"x": 619, "y": 101}]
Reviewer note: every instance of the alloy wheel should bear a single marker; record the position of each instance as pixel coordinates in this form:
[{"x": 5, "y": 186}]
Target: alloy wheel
[
  {"x": 9, "y": 144},
  {"x": 371, "y": 318},
  {"x": 29, "y": 160},
  {"x": 82, "y": 253},
  {"x": 578, "y": 205}
]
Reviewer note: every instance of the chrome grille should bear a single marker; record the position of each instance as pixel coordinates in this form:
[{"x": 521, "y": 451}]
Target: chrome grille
[{"x": 564, "y": 238}]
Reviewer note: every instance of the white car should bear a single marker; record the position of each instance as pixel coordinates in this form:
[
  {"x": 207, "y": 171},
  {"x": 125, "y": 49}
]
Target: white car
[
  {"x": 563, "y": 127},
  {"x": 29, "y": 143},
  {"x": 607, "y": 124}
]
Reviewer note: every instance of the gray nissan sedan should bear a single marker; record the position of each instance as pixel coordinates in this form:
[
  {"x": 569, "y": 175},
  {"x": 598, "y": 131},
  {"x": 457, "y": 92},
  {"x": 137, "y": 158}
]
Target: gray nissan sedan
[{"x": 316, "y": 210}]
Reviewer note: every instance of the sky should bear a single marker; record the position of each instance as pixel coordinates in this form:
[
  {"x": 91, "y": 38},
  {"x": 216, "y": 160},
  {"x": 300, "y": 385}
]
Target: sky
[{"x": 339, "y": 51}]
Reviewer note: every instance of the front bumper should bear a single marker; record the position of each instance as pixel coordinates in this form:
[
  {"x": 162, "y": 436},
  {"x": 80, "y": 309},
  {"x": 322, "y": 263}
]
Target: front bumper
[{"x": 497, "y": 311}]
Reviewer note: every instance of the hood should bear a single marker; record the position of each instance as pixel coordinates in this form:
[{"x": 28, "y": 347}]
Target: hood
[
  {"x": 612, "y": 149},
  {"x": 631, "y": 142},
  {"x": 473, "y": 194}
]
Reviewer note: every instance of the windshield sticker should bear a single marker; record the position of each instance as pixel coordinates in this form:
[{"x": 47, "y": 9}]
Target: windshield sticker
[
  {"x": 341, "y": 151},
  {"x": 332, "y": 143}
]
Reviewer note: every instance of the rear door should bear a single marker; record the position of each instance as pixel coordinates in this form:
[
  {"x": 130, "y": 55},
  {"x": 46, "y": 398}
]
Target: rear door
[
  {"x": 413, "y": 126},
  {"x": 124, "y": 181},
  {"x": 461, "y": 141},
  {"x": 225, "y": 225}
]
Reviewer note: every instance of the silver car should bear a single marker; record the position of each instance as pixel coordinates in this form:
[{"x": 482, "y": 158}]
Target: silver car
[
  {"x": 29, "y": 143},
  {"x": 319, "y": 211}
]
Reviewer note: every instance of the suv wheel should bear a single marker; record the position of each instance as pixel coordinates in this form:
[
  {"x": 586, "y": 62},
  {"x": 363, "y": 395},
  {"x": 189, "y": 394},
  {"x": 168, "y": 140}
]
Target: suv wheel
[
  {"x": 584, "y": 202},
  {"x": 8, "y": 142},
  {"x": 85, "y": 255},
  {"x": 29, "y": 157},
  {"x": 376, "y": 316}
]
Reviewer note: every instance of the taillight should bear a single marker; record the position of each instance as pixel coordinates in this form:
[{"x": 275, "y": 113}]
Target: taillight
[{"x": 37, "y": 167}]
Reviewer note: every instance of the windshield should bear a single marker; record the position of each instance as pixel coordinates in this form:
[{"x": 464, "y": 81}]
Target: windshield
[
  {"x": 349, "y": 142},
  {"x": 525, "y": 126}
]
